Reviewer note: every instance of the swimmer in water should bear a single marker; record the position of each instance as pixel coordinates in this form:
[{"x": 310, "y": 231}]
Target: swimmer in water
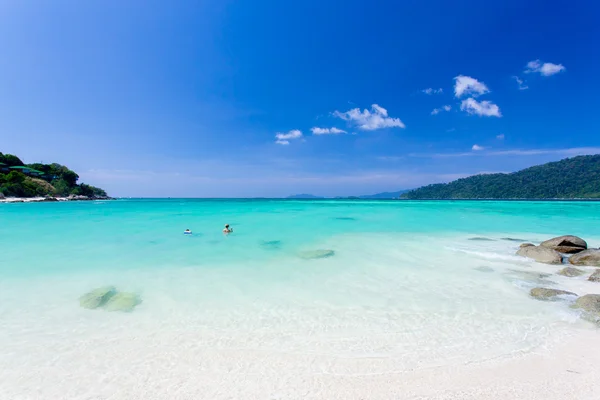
[
  {"x": 187, "y": 232},
  {"x": 227, "y": 229}
]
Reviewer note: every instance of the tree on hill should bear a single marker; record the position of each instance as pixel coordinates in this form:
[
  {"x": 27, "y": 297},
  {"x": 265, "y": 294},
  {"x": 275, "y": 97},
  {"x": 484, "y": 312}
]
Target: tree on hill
[
  {"x": 577, "y": 177},
  {"x": 10, "y": 160},
  {"x": 56, "y": 180}
]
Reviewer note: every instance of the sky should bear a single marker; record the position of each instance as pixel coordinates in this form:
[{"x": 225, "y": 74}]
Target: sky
[{"x": 272, "y": 98}]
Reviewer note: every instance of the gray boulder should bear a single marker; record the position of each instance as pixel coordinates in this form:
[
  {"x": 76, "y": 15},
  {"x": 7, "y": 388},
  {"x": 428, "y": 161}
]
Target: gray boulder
[
  {"x": 595, "y": 277},
  {"x": 314, "y": 254},
  {"x": 1, "y": 196},
  {"x": 549, "y": 294},
  {"x": 566, "y": 244},
  {"x": 589, "y": 257},
  {"x": 97, "y": 297},
  {"x": 526, "y": 245},
  {"x": 589, "y": 303},
  {"x": 571, "y": 272},
  {"x": 122, "y": 301},
  {"x": 540, "y": 254}
]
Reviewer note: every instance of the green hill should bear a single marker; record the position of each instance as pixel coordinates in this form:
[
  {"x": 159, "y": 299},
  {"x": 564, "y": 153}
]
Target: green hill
[
  {"x": 18, "y": 179},
  {"x": 571, "y": 178}
]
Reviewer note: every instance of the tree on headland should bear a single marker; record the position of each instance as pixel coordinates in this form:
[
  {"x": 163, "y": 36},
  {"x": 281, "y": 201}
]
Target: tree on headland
[
  {"x": 10, "y": 160},
  {"x": 41, "y": 180}
]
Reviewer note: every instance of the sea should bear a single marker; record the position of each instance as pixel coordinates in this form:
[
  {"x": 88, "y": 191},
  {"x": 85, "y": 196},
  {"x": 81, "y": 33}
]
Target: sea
[{"x": 301, "y": 288}]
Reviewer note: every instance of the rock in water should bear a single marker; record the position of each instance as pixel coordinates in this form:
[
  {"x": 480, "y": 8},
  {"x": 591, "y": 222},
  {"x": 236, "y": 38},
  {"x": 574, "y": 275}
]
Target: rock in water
[
  {"x": 526, "y": 245},
  {"x": 541, "y": 254},
  {"x": 566, "y": 244},
  {"x": 314, "y": 254},
  {"x": 122, "y": 301},
  {"x": 589, "y": 302},
  {"x": 570, "y": 272},
  {"x": 548, "y": 294},
  {"x": 589, "y": 257},
  {"x": 513, "y": 239},
  {"x": 481, "y": 239},
  {"x": 97, "y": 297},
  {"x": 595, "y": 277}
]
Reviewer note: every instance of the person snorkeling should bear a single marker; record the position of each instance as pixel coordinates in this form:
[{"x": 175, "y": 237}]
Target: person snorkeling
[{"x": 187, "y": 232}]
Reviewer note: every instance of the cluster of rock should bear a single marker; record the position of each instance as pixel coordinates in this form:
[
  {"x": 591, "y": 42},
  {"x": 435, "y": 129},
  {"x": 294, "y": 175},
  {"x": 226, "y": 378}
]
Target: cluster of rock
[
  {"x": 110, "y": 299},
  {"x": 575, "y": 251},
  {"x": 589, "y": 303},
  {"x": 555, "y": 250}
]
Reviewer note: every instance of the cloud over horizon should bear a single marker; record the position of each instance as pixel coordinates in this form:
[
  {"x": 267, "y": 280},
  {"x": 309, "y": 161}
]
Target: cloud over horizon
[
  {"x": 544, "y": 69},
  {"x": 520, "y": 83},
  {"x": 284, "y": 138},
  {"x": 442, "y": 108},
  {"x": 326, "y": 131},
  {"x": 482, "y": 108},
  {"x": 430, "y": 91},
  {"x": 465, "y": 85},
  {"x": 372, "y": 120}
]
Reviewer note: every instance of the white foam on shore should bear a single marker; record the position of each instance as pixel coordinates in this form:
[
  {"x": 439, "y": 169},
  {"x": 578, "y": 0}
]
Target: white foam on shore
[{"x": 386, "y": 317}]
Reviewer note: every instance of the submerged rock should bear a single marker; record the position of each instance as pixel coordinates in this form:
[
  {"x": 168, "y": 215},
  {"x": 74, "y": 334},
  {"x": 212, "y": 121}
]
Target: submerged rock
[
  {"x": 271, "y": 244},
  {"x": 314, "y": 254},
  {"x": 541, "y": 254},
  {"x": 122, "y": 301},
  {"x": 513, "y": 239},
  {"x": 97, "y": 297},
  {"x": 548, "y": 294},
  {"x": 566, "y": 244},
  {"x": 345, "y": 218},
  {"x": 570, "y": 272},
  {"x": 595, "y": 277},
  {"x": 482, "y": 239},
  {"x": 530, "y": 275},
  {"x": 484, "y": 269},
  {"x": 589, "y": 257}
]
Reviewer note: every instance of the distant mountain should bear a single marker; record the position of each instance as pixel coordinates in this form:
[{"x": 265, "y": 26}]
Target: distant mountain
[
  {"x": 304, "y": 196},
  {"x": 571, "y": 178},
  {"x": 385, "y": 195}
]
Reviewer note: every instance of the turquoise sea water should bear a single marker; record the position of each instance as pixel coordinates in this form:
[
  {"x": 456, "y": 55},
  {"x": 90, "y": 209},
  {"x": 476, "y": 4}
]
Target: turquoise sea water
[{"x": 408, "y": 287}]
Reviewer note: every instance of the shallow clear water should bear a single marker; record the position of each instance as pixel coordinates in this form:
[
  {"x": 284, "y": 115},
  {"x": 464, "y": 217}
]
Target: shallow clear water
[{"x": 407, "y": 288}]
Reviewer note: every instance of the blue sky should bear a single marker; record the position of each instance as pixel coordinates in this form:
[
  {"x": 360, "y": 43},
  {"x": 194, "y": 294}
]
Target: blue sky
[{"x": 220, "y": 98}]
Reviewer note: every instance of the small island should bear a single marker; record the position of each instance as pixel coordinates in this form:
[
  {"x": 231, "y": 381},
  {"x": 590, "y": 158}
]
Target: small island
[{"x": 20, "y": 182}]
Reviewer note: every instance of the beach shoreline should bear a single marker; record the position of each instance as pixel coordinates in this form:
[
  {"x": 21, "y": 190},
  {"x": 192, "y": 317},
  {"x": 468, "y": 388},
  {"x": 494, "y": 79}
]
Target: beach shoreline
[{"x": 50, "y": 199}]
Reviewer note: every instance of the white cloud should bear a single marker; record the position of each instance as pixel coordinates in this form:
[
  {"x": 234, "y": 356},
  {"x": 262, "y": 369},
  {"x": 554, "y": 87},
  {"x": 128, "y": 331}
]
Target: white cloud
[
  {"x": 326, "y": 131},
  {"x": 482, "y": 108},
  {"x": 521, "y": 84},
  {"x": 465, "y": 85},
  {"x": 500, "y": 136},
  {"x": 545, "y": 69},
  {"x": 431, "y": 91},
  {"x": 372, "y": 120},
  {"x": 284, "y": 138},
  {"x": 442, "y": 108},
  {"x": 477, "y": 147}
]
